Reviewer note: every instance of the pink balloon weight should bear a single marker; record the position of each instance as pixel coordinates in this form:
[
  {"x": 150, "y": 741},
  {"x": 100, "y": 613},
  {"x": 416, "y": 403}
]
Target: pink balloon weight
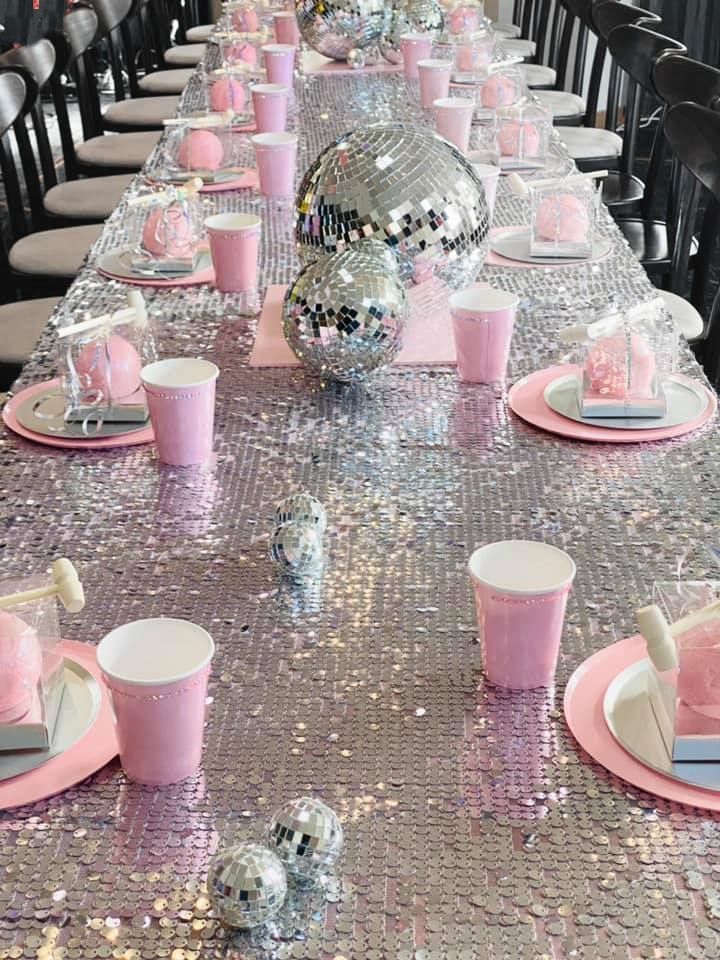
[
  {"x": 246, "y": 21},
  {"x": 499, "y": 91},
  {"x": 562, "y": 218},
  {"x": 227, "y": 93},
  {"x": 517, "y": 139},
  {"x": 112, "y": 367},
  {"x": 168, "y": 232},
  {"x": 20, "y": 666},
  {"x": 201, "y": 150}
]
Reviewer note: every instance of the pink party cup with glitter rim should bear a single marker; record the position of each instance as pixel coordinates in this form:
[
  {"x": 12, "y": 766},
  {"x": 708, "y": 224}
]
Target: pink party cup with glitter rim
[
  {"x": 521, "y": 590},
  {"x": 280, "y": 63},
  {"x": 490, "y": 176},
  {"x": 414, "y": 47},
  {"x": 286, "y": 27},
  {"x": 483, "y": 320},
  {"x": 276, "y": 158},
  {"x": 234, "y": 248},
  {"x": 157, "y": 674},
  {"x": 453, "y": 120},
  {"x": 270, "y": 105},
  {"x": 434, "y": 76},
  {"x": 181, "y": 398}
]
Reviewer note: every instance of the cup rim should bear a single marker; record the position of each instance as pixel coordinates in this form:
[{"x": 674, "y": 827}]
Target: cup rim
[
  {"x": 278, "y": 48},
  {"x": 164, "y": 681},
  {"x": 493, "y": 299},
  {"x": 416, "y": 36},
  {"x": 539, "y": 546},
  {"x": 233, "y": 222},
  {"x": 156, "y": 375},
  {"x": 434, "y": 63},
  {"x": 269, "y": 88},
  {"x": 274, "y": 139},
  {"x": 284, "y": 14},
  {"x": 454, "y": 103}
]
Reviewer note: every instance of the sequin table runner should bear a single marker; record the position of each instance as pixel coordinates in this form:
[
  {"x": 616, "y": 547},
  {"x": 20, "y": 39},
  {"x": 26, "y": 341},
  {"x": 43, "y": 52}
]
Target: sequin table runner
[{"x": 475, "y": 828}]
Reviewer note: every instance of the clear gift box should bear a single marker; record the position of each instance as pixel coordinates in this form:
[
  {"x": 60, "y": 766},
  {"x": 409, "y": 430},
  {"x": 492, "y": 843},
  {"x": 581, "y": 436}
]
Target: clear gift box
[
  {"x": 100, "y": 363},
  {"x": 563, "y": 218},
  {"x": 168, "y": 227},
  {"x": 470, "y": 53},
  {"x": 31, "y": 668},
  {"x": 625, "y": 359},
  {"x": 202, "y": 147},
  {"x": 463, "y": 17},
  {"x": 684, "y": 684},
  {"x": 523, "y": 134}
]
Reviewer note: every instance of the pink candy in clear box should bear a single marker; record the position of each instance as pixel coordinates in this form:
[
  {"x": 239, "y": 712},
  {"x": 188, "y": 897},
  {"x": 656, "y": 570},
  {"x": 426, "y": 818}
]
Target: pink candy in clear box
[
  {"x": 563, "y": 218},
  {"x": 523, "y": 132}
]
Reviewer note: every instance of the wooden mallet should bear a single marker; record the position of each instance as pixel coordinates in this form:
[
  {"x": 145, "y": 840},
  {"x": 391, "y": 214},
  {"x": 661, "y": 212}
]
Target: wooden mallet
[{"x": 66, "y": 585}]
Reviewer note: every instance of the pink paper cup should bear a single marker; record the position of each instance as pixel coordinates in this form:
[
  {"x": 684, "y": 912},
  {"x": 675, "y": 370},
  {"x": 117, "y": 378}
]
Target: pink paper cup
[
  {"x": 286, "y": 28},
  {"x": 234, "y": 248},
  {"x": 280, "y": 63},
  {"x": 270, "y": 104},
  {"x": 434, "y": 76},
  {"x": 521, "y": 590},
  {"x": 181, "y": 399},
  {"x": 453, "y": 120},
  {"x": 157, "y": 674},
  {"x": 490, "y": 176},
  {"x": 414, "y": 47},
  {"x": 276, "y": 158},
  {"x": 483, "y": 320}
]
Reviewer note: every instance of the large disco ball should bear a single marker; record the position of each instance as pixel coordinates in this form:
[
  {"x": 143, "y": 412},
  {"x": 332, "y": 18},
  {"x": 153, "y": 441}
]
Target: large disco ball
[
  {"x": 344, "y": 315},
  {"x": 410, "y": 16},
  {"x": 247, "y": 885},
  {"x": 307, "y": 836},
  {"x": 403, "y": 185},
  {"x": 337, "y": 27}
]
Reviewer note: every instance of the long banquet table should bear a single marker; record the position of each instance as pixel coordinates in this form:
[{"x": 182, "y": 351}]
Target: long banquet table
[{"x": 475, "y": 827}]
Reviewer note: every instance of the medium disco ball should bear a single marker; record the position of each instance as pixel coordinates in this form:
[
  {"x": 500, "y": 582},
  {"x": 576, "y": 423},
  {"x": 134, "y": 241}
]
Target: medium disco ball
[
  {"x": 344, "y": 315},
  {"x": 337, "y": 27},
  {"x": 247, "y": 885},
  {"x": 403, "y": 185},
  {"x": 410, "y": 16},
  {"x": 307, "y": 836}
]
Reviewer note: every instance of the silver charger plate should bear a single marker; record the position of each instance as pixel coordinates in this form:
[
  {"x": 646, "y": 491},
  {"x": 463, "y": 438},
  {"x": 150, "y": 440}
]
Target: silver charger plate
[
  {"x": 120, "y": 264},
  {"x": 79, "y": 709},
  {"x": 53, "y": 402},
  {"x": 686, "y": 400},
  {"x": 516, "y": 246},
  {"x": 631, "y": 720}
]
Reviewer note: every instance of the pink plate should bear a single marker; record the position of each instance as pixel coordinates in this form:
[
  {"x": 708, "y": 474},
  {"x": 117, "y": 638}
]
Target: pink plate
[
  {"x": 248, "y": 181},
  {"x": 585, "y": 716},
  {"x": 527, "y": 400},
  {"x": 68, "y": 443},
  {"x": 87, "y": 756}
]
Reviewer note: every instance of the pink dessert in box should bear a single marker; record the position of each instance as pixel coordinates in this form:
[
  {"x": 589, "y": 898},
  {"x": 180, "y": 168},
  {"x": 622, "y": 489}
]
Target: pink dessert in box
[{"x": 618, "y": 368}]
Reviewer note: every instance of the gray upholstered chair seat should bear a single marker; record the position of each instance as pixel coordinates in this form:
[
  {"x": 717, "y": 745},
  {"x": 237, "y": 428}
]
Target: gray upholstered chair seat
[
  {"x": 200, "y": 34},
  {"x": 561, "y": 103},
  {"x": 585, "y": 143},
  {"x": 21, "y": 325},
  {"x": 518, "y": 48},
  {"x": 144, "y": 112},
  {"x": 94, "y": 198},
  {"x": 506, "y": 31},
  {"x": 185, "y": 55},
  {"x": 538, "y": 75},
  {"x": 128, "y": 151},
  {"x": 166, "y": 81},
  {"x": 54, "y": 253}
]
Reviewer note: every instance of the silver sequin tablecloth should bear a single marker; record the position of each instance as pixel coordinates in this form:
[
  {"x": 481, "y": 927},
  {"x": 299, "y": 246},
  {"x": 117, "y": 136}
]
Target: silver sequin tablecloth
[{"x": 475, "y": 827}]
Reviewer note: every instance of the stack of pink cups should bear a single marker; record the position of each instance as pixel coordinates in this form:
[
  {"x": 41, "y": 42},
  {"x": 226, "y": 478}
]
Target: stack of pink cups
[{"x": 414, "y": 47}]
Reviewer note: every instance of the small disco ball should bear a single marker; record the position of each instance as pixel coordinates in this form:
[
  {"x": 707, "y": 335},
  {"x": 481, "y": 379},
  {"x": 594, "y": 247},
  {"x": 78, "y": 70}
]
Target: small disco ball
[
  {"x": 304, "y": 508},
  {"x": 296, "y": 548},
  {"x": 247, "y": 885},
  {"x": 410, "y": 16},
  {"x": 405, "y": 186},
  {"x": 336, "y": 27},
  {"x": 307, "y": 836},
  {"x": 345, "y": 314}
]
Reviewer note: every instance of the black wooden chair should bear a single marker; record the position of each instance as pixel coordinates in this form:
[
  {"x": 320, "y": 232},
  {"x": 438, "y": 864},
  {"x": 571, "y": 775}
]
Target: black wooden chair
[
  {"x": 167, "y": 13},
  {"x": 144, "y": 38},
  {"x": 39, "y": 261},
  {"x": 126, "y": 115},
  {"x": 75, "y": 201},
  {"x": 693, "y": 135},
  {"x": 653, "y": 241}
]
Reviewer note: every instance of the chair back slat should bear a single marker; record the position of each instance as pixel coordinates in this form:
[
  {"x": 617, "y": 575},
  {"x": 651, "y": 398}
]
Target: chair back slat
[
  {"x": 13, "y": 93},
  {"x": 63, "y": 55},
  {"x": 81, "y": 28},
  {"x": 679, "y": 79}
]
